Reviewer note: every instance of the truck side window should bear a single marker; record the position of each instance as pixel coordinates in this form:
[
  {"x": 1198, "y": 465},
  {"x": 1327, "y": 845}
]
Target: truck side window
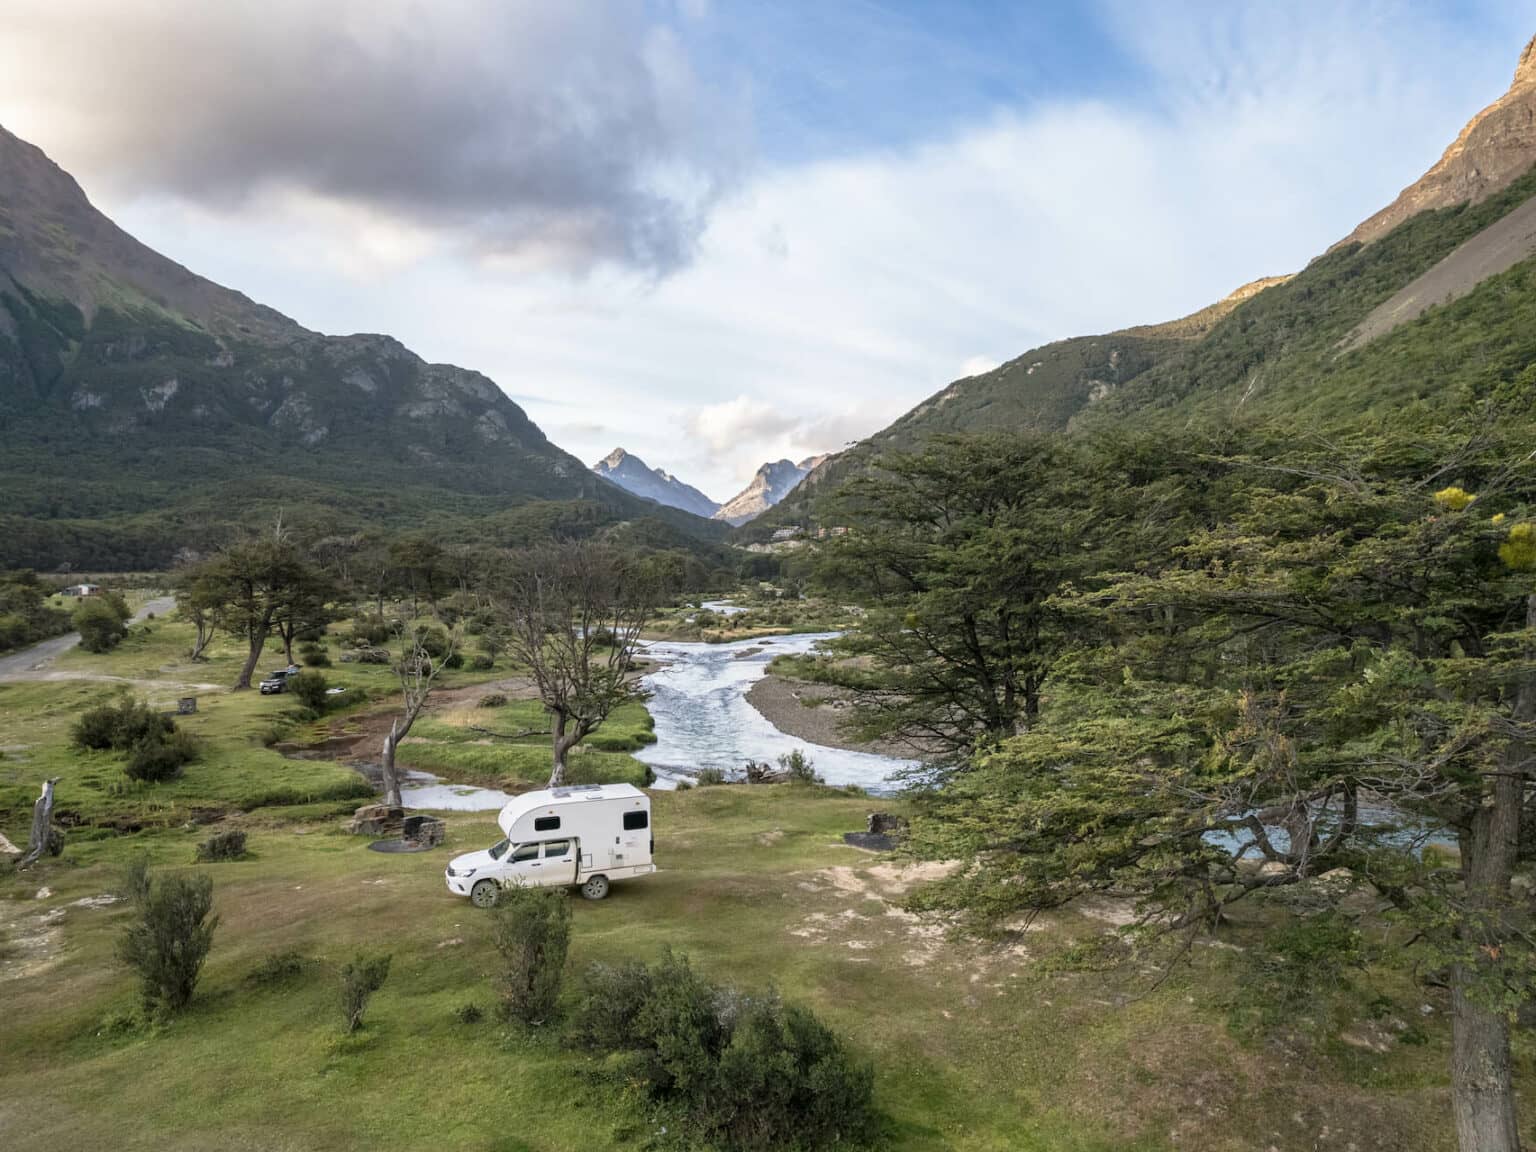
[
  {"x": 546, "y": 823},
  {"x": 525, "y": 852},
  {"x": 633, "y": 821},
  {"x": 556, "y": 848}
]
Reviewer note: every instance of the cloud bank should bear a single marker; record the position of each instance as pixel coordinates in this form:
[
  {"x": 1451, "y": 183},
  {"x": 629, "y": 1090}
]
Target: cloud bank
[{"x": 544, "y": 134}]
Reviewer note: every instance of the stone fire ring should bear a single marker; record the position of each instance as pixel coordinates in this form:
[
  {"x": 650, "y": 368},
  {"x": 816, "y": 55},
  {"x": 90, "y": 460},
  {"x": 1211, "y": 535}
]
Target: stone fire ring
[{"x": 398, "y": 846}]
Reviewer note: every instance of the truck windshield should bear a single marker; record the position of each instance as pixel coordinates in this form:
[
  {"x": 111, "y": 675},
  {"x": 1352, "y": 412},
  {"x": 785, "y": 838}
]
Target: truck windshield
[{"x": 499, "y": 849}]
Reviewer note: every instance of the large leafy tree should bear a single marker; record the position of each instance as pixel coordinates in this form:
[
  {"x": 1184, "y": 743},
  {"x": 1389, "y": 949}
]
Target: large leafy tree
[
  {"x": 249, "y": 587},
  {"x": 1343, "y": 669},
  {"x": 957, "y": 552}
]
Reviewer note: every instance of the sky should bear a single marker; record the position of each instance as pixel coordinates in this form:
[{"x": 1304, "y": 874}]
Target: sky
[{"x": 720, "y": 232}]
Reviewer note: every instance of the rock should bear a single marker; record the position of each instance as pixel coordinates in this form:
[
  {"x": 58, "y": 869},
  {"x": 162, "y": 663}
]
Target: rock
[
  {"x": 377, "y": 820},
  {"x": 424, "y": 831},
  {"x": 7, "y": 849},
  {"x": 886, "y": 824}
]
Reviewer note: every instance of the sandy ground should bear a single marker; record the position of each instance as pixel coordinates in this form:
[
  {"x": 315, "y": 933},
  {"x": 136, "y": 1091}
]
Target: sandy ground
[{"x": 780, "y": 702}]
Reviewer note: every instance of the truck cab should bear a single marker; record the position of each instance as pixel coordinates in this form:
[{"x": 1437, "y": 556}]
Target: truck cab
[{"x": 584, "y": 835}]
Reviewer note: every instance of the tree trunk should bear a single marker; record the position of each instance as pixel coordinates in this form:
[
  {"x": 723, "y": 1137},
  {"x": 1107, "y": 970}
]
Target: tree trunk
[
  {"x": 257, "y": 644},
  {"x": 391, "y": 776},
  {"x": 204, "y": 637},
  {"x": 287, "y": 634},
  {"x": 42, "y": 823},
  {"x": 562, "y": 748},
  {"x": 1482, "y": 1090}
]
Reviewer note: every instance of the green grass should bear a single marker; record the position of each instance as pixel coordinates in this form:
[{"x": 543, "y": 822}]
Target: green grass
[{"x": 976, "y": 1047}]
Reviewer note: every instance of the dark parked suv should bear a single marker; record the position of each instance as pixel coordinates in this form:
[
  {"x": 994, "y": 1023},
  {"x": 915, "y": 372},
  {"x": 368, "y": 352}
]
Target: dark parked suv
[{"x": 276, "y": 682}]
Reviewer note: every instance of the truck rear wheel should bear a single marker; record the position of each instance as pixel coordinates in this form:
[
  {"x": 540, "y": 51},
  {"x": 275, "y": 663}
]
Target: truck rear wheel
[
  {"x": 595, "y": 888},
  {"x": 484, "y": 893}
]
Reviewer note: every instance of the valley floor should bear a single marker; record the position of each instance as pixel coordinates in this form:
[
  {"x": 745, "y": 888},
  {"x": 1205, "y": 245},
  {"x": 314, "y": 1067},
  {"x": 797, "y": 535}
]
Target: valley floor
[{"x": 1022, "y": 1043}]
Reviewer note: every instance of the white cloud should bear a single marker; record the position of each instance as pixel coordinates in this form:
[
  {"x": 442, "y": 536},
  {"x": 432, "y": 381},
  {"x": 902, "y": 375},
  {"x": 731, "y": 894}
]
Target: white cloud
[{"x": 826, "y": 299}]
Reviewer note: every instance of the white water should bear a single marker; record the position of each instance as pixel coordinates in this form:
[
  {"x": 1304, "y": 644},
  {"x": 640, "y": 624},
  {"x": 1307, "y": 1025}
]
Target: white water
[
  {"x": 703, "y": 720},
  {"x": 424, "y": 790}
]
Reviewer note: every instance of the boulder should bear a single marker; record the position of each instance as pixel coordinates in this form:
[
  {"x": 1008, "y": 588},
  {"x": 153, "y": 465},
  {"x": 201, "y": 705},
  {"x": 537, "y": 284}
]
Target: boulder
[
  {"x": 424, "y": 831},
  {"x": 886, "y": 824},
  {"x": 8, "y": 851},
  {"x": 377, "y": 820}
]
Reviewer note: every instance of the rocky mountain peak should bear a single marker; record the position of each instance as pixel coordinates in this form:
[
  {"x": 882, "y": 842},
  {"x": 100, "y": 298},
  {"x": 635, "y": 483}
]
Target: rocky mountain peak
[
  {"x": 1497, "y": 146},
  {"x": 613, "y": 460},
  {"x": 637, "y": 477}
]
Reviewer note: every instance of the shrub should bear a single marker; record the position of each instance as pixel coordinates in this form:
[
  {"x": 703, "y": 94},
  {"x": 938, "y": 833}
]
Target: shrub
[
  {"x": 226, "y": 845},
  {"x": 360, "y": 979},
  {"x": 745, "y": 1072},
  {"x": 432, "y": 641},
  {"x": 468, "y": 1014},
  {"x": 278, "y": 968},
  {"x": 161, "y": 756},
  {"x": 800, "y": 768},
  {"x": 1306, "y": 964},
  {"x": 493, "y": 700},
  {"x": 309, "y": 688},
  {"x": 372, "y": 630},
  {"x": 315, "y": 656},
  {"x": 168, "y": 940},
  {"x": 705, "y": 777},
  {"x": 453, "y": 660},
  {"x": 119, "y": 727},
  {"x": 99, "y": 625},
  {"x": 134, "y": 886},
  {"x": 482, "y": 662},
  {"x": 531, "y": 928}
]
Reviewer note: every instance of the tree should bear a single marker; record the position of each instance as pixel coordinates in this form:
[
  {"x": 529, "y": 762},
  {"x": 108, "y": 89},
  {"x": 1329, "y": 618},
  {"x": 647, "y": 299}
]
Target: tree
[
  {"x": 249, "y": 586},
  {"x": 1342, "y": 669},
  {"x": 361, "y": 977},
  {"x": 101, "y": 623},
  {"x": 306, "y": 607},
  {"x": 956, "y": 551},
  {"x": 198, "y": 598},
  {"x": 417, "y": 669},
  {"x": 574, "y": 613}
]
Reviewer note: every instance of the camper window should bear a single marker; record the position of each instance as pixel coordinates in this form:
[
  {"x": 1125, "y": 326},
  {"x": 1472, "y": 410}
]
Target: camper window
[
  {"x": 633, "y": 821},
  {"x": 556, "y": 848},
  {"x": 525, "y": 852},
  {"x": 546, "y": 823}
]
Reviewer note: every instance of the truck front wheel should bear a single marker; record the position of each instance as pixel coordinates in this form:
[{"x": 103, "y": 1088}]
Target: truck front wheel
[
  {"x": 595, "y": 888},
  {"x": 483, "y": 894}
]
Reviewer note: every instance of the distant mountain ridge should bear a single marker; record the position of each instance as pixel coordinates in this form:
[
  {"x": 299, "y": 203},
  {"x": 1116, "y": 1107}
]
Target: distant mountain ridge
[
  {"x": 772, "y": 482},
  {"x": 1344, "y": 339},
  {"x": 143, "y": 407},
  {"x": 633, "y": 475}
]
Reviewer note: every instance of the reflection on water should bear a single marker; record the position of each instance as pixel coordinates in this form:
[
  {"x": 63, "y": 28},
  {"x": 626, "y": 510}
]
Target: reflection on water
[
  {"x": 703, "y": 719},
  {"x": 424, "y": 790}
]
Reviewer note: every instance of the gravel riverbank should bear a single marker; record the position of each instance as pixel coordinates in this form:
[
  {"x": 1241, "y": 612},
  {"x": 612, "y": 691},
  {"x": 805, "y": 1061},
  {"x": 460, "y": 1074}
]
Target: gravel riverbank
[{"x": 781, "y": 701}]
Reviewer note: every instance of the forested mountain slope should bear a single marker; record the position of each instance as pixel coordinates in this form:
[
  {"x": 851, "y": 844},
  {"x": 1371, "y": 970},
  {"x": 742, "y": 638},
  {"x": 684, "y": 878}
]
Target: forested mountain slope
[
  {"x": 1428, "y": 307},
  {"x": 143, "y": 407}
]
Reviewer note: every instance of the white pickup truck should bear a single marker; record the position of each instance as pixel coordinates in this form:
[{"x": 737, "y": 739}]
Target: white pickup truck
[{"x": 586, "y": 835}]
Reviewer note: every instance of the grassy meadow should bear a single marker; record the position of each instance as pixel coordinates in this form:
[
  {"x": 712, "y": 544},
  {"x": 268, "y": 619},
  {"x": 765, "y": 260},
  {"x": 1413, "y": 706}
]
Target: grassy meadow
[{"x": 1029, "y": 1042}]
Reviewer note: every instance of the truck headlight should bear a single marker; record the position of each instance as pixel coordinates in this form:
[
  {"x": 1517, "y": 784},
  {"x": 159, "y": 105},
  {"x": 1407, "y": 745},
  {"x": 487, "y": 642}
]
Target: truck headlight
[{"x": 467, "y": 872}]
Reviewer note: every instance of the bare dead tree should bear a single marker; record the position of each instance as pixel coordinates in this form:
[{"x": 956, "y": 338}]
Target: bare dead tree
[
  {"x": 42, "y": 826},
  {"x": 573, "y": 615},
  {"x": 418, "y": 671}
]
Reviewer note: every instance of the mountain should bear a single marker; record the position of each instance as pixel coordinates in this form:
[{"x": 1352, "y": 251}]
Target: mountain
[
  {"x": 1426, "y": 308},
  {"x": 772, "y": 483},
  {"x": 1496, "y": 147},
  {"x": 633, "y": 475},
  {"x": 143, "y": 408}
]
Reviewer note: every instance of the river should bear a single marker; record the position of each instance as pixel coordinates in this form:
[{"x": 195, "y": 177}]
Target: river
[{"x": 703, "y": 720}]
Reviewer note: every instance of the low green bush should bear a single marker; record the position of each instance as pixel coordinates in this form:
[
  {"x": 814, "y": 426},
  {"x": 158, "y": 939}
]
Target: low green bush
[
  {"x": 707, "y": 777},
  {"x": 161, "y": 756},
  {"x": 493, "y": 700},
  {"x": 118, "y": 727},
  {"x": 746, "y": 1072},
  {"x": 468, "y": 1014},
  {"x": 360, "y": 979},
  {"x": 309, "y": 689},
  {"x": 531, "y": 929},
  {"x": 168, "y": 940},
  {"x": 278, "y": 968},
  {"x": 101, "y": 622},
  {"x": 226, "y": 845},
  {"x": 481, "y": 662},
  {"x": 800, "y": 768}
]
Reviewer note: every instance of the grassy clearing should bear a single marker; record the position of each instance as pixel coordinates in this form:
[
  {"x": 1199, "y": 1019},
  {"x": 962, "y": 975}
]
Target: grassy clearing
[
  {"x": 976, "y": 1046},
  {"x": 452, "y": 744}
]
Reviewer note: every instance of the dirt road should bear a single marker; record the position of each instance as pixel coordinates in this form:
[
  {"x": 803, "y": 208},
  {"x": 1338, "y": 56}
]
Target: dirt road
[{"x": 35, "y": 663}]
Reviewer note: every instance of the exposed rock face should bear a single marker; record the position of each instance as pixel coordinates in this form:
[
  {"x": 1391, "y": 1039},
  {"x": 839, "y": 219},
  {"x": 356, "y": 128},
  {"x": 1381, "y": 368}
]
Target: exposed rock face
[
  {"x": 1496, "y": 147},
  {"x": 774, "y": 481},
  {"x": 633, "y": 475}
]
